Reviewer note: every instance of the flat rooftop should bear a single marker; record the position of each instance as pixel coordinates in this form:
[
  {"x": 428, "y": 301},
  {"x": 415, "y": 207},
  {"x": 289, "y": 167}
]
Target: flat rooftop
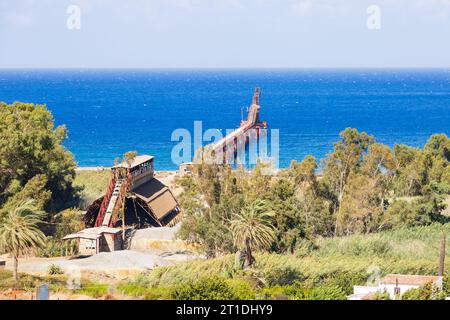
[
  {"x": 92, "y": 233},
  {"x": 136, "y": 161},
  {"x": 409, "y": 279}
]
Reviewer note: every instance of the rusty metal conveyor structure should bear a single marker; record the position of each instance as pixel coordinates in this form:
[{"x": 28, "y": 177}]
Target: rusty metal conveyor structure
[{"x": 248, "y": 129}]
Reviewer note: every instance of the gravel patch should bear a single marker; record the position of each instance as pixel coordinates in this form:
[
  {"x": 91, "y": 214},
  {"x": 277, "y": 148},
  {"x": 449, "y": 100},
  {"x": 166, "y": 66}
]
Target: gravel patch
[{"x": 105, "y": 261}]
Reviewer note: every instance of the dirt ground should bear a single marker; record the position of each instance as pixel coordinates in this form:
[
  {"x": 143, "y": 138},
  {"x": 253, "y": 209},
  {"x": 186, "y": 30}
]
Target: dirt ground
[
  {"x": 150, "y": 248},
  {"x": 108, "y": 267},
  {"x": 168, "y": 177}
]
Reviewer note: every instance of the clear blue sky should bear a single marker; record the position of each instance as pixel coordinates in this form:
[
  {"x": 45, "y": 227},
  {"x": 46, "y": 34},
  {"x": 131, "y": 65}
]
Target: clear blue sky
[{"x": 224, "y": 34}]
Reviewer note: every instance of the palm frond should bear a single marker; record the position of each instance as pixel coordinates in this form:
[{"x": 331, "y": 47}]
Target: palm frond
[
  {"x": 253, "y": 226},
  {"x": 19, "y": 232}
]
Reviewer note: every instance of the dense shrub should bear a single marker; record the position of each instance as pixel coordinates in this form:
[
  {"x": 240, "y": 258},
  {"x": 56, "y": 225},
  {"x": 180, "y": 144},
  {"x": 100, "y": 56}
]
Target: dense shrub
[
  {"x": 91, "y": 185},
  {"x": 427, "y": 292},
  {"x": 322, "y": 293},
  {"x": 57, "y": 248},
  {"x": 138, "y": 290},
  {"x": 278, "y": 292},
  {"x": 381, "y": 296},
  {"x": 32, "y": 150},
  {"x": 29, "y": 282},
  {"x": 242, "y": 289},
  {"x": 4, "y": 276},
  {"x": 304, "y": 248},
  {"x": 68, "y": 221},
  {"x": 345, "y": 280},
  {"x": 54, "y": 270},
  {"x": 132, "y": 289},
  {"x": 446, "y": 284},
  {"x": 214, "y": 288},
  {"x": 361, "y": 246},
  {"x": 413, "y": 294},
  {"x": 297, "y": 292},
  {"x": 414, "y": 251},
  {"x": 157, "y": 294},
  {"x": 281, "y": 276},
  {"x": 95, "y": 290}
]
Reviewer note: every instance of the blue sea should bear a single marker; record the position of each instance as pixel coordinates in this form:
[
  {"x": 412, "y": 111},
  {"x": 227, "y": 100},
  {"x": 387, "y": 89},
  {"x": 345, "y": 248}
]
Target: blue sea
[{"x": 109, "y": 112}]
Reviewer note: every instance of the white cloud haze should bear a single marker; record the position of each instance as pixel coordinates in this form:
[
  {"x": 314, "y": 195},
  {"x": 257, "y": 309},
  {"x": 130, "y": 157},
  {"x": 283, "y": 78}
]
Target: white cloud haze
[{"x": 224, "y": 33}]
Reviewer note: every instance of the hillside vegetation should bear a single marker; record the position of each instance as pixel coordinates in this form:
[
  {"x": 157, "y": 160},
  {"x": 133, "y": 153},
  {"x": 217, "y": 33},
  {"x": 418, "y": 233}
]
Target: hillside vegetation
[
  {"x": 408, "y": 251},
  {"x": 374, "y": 209},
  {"x": 92, "y": 184}
]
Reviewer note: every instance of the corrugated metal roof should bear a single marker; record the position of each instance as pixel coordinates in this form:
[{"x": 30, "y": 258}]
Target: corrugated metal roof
[
  {"x": 157, "y": 196},
  {"x": 136, "y": 161},
  {"x": 82, "y": 236},
  {"x": 92, "y": 233}
]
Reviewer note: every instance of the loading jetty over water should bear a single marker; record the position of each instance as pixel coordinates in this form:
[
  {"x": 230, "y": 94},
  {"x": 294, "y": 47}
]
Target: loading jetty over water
[{"x": 233, "y": 145}]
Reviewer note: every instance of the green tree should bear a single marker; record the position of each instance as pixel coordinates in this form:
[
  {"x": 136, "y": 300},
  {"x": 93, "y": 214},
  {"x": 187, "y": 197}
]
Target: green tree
[
  {"x": 360, "y": 211},
  {"x": 288, "y": 223},
  {"x": 35, "y": 189},
  {"x": 409, "y": 170},
  {"x": 310, "y": 204},
  {"x": 19, "y": 232},
  {"x": 68, "y": 221},
  {"x": 253, "y": 229},
  {"x": 30, "y": 145},
  {"x": 438, "y": 146},
  {"x": 345, "y": 159},
  {"x": 379, "y": 161},
  {"x": 437, "y": 159},
  {"x": 304, "y": 173},
  {"x": 401, "y": 214}
]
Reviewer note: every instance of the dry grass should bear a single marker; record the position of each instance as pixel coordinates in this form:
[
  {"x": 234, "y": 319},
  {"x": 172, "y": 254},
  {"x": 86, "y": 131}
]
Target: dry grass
[
  {"x": 93, "y": 184},
  {"x": 408, "y": 251}
]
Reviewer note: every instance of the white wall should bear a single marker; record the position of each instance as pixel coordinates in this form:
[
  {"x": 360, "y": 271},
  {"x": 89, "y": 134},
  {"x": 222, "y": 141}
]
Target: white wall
[
  {"x": 390, "y": 288},
  {"x": 363, "y": 290}
]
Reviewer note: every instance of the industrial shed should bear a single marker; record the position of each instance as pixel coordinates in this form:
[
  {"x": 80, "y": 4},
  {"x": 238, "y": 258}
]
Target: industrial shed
[
  {"x": 135, "y": 196},
  {"x": 95, "y": 240}
]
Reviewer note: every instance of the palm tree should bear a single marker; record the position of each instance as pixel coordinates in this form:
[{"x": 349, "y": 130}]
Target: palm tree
[
  {"x": 19, "y": 232},
  {"x": 253, "y": 229}
]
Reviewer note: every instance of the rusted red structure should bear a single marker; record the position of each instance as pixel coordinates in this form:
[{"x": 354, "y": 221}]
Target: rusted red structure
[
  {"x": 134, "y": 194},
  {"x": 231, "y": 142}
]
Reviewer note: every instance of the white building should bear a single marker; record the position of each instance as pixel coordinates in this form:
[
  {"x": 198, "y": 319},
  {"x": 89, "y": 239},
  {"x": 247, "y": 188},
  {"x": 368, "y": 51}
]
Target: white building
[{"x": 395, "y": 284}]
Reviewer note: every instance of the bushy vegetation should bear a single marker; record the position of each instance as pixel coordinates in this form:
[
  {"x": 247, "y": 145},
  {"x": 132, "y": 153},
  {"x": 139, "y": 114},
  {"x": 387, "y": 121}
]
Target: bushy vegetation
[
  {"x": 381, "y": 296},
  {"x": 291, "y": 234},
  {"x": 212, "y": 288},
  {"x": 92, "y": 184},
  {"x": 138, "y": 290},
  {"x": 330, "y": 269},
  {"x": 33, "y": 162},
  {"x": 66, "y": 222},
  {"x": 221, "y": 288},
  {"x": 426, "y": 292},
  {"x": 29, "y": 282},
  {"x": 54, "y": 269},
  {"x": 92, "y": 289},
  {"x": 35, "y": 166},
  {"x": 406, "y": 243},
  {"x": 364, "y": 187}
]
